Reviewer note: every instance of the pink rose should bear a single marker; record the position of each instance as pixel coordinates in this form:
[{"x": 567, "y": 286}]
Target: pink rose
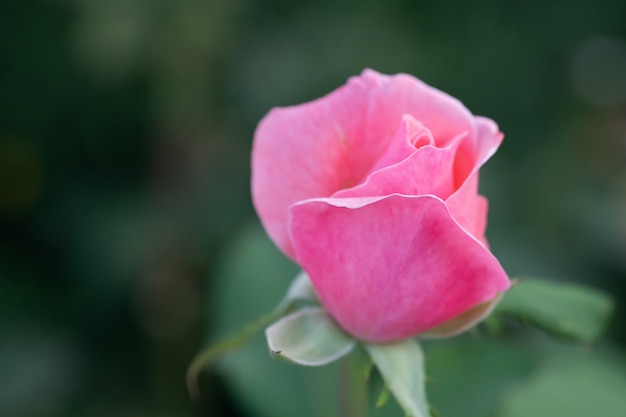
[{"x": 373, "y": 191}]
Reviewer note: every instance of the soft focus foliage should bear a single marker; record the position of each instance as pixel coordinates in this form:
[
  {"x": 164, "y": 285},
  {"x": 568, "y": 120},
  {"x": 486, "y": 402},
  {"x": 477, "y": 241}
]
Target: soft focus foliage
[{"x": 125, "y": 132}]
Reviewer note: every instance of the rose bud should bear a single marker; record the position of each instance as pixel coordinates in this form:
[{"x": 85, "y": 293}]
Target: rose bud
[{"x": 373, "y": 191}]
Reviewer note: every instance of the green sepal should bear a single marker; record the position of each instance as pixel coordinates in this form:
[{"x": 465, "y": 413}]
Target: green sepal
[
  {"x": 308, "y": 337},
  {"x": 300, "y": 290},
  {"x": 401, "y": 365}
]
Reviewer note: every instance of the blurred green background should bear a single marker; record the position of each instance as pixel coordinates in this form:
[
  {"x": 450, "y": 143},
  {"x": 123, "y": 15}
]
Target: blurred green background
[{"x": 127, "y": 234}]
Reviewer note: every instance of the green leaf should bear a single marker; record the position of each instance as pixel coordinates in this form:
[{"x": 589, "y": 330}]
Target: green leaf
[
  {"x": 402, "y": 366},
  {"x": 467, "y": 375},
  {"x": 308, "y": 337},
  {"x": 575, "y": 384},
  {"x": 566, "y": 310}
]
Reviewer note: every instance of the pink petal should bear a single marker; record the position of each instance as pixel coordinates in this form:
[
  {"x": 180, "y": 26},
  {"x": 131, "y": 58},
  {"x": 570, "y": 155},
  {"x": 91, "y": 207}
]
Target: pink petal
[
  {"x": 477, "y": 150},
  {"x": 316, "y": 149},
  {"x": 469, "y": 208},
  {"x": 466, "y": 206},
  {"x": 410, "y": 136},
  {"x": 489, "y": 139},
  {"x": 389, "y": 268},
  {"x": 411, "y": 171}
]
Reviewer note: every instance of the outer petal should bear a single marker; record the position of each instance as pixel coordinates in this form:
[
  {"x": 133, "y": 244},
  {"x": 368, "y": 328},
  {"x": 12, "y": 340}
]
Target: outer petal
[
  {"x": 392, "y": 267},
  {"x": 318, "y": 148}
]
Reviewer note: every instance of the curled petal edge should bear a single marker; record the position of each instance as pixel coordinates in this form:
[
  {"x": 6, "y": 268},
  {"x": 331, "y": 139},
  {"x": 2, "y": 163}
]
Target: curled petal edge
[{"x": 464, "y": 321}]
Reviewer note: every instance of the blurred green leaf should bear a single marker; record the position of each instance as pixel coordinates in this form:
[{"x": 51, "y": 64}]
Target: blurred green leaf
[
  {"x": 467, "y": 376},
  {"x": 565, "y": 310},
  {"x": 308, "y": 337},
  {"x": 402, "y": 367},
  {"x": 300, "y": 289},
  {"x": 214, "y": 351},
  {"x": 42, "y": 369},
  {"x": 262, "y": 386},
  {"x": 572, "y": 385}
]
